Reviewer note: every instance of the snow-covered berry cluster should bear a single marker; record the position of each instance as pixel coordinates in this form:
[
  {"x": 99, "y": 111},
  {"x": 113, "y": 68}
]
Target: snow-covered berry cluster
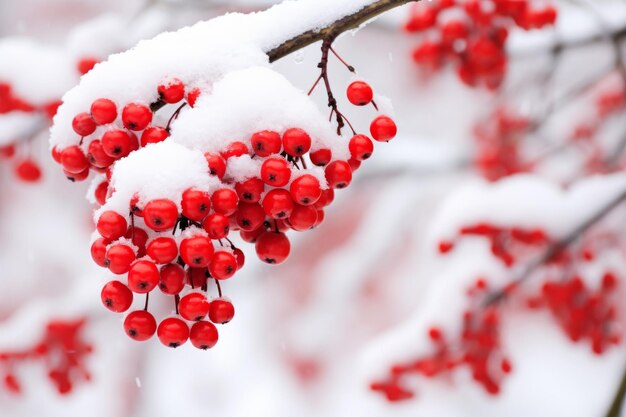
[
  {"x": 472, "y": 35},
  {"x": 199, "y": 148}
]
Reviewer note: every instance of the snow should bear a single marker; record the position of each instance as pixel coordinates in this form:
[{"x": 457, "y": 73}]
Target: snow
[
  {"x": 162, "y": 170},
  {"x": 23, "y": 70}
]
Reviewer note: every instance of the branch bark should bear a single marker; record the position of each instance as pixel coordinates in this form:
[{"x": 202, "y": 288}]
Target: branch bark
[
  {"x": 336, "y": 28},
  {"x": 618, "y": 399}
]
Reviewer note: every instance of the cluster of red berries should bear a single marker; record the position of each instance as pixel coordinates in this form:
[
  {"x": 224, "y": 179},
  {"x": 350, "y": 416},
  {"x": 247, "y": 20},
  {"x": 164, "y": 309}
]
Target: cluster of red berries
[
  {"x": 472, "y": 34},
  {"x": 584, "y": 312},
  {"x": 477, "y": 347},
  {"x": 507, "y": 243},
  {"x": 156, "y": 244},
  {"x": 25, "y": 167},
  {"x": 61, "y": 349},
  {"x": 498, "y": 140}
]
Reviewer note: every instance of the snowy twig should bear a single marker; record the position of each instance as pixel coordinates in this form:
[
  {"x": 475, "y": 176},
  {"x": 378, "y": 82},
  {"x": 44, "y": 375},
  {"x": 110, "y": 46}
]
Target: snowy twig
[
  {"x": 336, "y": 28},
  {"x": 556, "y": 248}
]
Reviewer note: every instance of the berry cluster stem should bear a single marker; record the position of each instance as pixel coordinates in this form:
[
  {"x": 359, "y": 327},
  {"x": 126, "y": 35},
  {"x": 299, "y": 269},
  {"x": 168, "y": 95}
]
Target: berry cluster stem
[{"x": 618, "y": 399}]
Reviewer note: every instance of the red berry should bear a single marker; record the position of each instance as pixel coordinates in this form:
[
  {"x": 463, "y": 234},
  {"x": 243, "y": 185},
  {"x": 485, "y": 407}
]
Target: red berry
[
  {"x": 296, "y": 142},
  {"x": 139, "y": 237},
  {"x": 119, "y": 143},
  {"x": 172, "y": 91},
  {"x": 216, "y": 225},
  {"x": 203, "y": 335},
  {"x": 303, "y": 217},
  {"x": 275, "y": 171},
  {"x": 9, "y": 151},
  {"x": 136, "y": 116},
  {"x": 74, "y": 160},
  {"x": 338, "y": 174},
  {"x": 360, "y": 93},
  {"x": 118, "y": 258},
  {"x": 103, "y": 111},
  {"x": 250, "y": 216},
  {"x": 278, "y": 203},
  {"x": 235, "y": 149},
  {"x": 172, "y": 279},
  {"x": 216, "y": 164},
  {"x": 305, "y": 189},
  {"x": 196, "y": 277},
  {"x": 97, "y": 155},
  {"x": 383, "y": 129},
  {"x": 173, "y": 332},
  {"x": 354, "y": 164},
  {"x": 143, "y": 277},
  {"x": 111, "y": 225},
  {"x": 241, "y": 258},
  {"x": 326, "y": 198},
  {"x": 196, "y": 251},
  {"x": 162, "y": 249},
  {"x": 250, "y": 190},
  {"x": 223, "y": 265},
  {"x": 77, "y": 176},
  {"x": 265, "y": 143},
  {"x": 160, "y": 214},
  {"x": 28, "y": 170},
  {"x": 195, "y": 204},
  {"x": 192, "y": 96},
  {"x": 116, "y": 296},
  {"x": 83, "y": 124},
  {"x": 193, "y": 306},
  {"x": 321, "y": 157},
  {"x": 221, "y": 311},
  {"x": 134, "y": 205},
  {"x": 252, "y": 235},
  {"x": 153, "y": 134},
  {"x": 86, "y": 64},
  {"x": 272, "y": 247},
  {"x": 320, "y": 217},
  {"x": 361, "y": 147},
  {"x": 140, "y": 325},
  {"x": 224, "y": 201},
  {"x": 99, "y": 251}
]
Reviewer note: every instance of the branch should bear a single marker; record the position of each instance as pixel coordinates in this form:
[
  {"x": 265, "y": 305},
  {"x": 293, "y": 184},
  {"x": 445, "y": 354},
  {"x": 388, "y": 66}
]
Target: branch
[
  {"x": 618, "y": 399},
  {"x": 557, "y": 247},
  {"x": 336, "y": 28}
]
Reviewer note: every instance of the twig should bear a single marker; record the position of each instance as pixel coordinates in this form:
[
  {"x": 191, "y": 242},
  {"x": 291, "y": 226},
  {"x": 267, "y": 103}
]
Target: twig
[
  {"x": 618, "y": 398},
  {"x": 556, "y": 248},
  {"x": 336, "y": 28}
]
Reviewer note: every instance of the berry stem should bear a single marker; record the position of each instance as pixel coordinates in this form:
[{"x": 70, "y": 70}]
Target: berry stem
[
  {"x": 174, "y": 116},
  {"x": 145, "y": 306},
  {"x": 348, "y": 66},
  {"x": 219, "y": 287},
  {"x": 176, "y": 301}
]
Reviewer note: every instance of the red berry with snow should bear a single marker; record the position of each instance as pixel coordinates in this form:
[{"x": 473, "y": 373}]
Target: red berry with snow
[
  {"x": 193, "y": 306},
  {"x": 83, "y": 124},
  {"x": 171, "y": 91},
  {"x": 143, "y": 276},
  {"x": 136, "y": 116},
  {"x": 103, "y": 111}
]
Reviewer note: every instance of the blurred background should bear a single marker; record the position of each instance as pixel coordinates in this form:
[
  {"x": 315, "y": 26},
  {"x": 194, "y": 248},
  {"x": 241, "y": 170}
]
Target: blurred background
[{"x": 361, "y": 292}]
